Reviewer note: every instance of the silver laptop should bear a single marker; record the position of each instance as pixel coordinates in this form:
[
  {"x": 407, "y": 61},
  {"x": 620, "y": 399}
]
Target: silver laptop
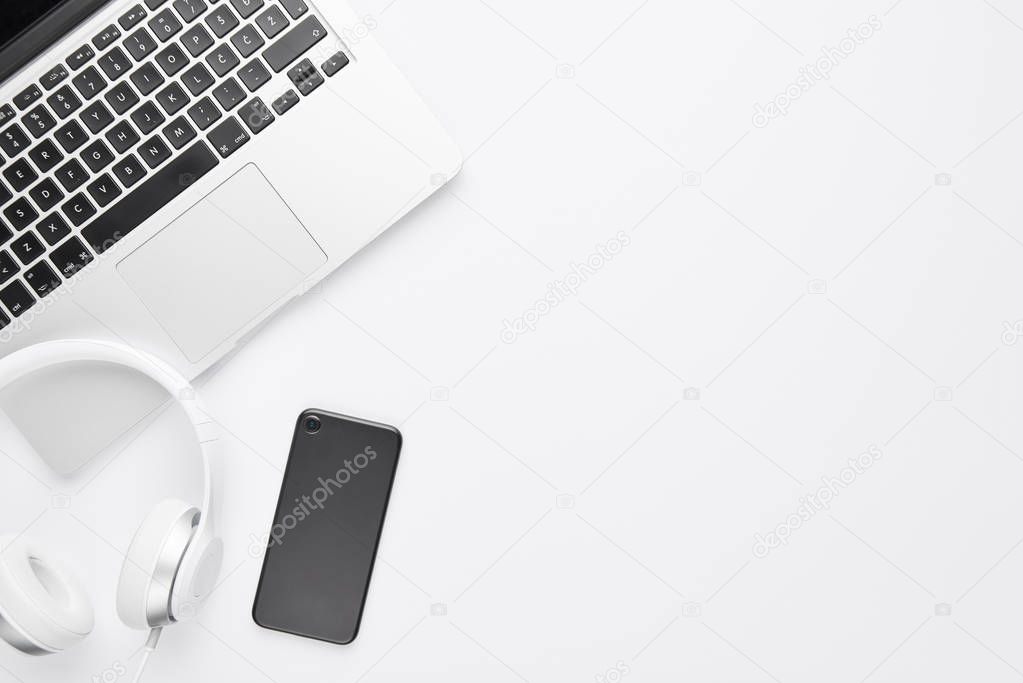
[{"x": 172, "y": 172}]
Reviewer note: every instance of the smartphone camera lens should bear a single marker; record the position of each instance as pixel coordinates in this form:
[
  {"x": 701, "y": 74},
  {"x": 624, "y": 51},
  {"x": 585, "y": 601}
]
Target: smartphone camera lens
[{"x": 312, "y": 424}]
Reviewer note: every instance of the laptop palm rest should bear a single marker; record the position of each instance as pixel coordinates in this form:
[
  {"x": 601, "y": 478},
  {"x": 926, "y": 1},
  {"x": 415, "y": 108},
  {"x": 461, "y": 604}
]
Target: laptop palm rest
[{"x": 222, "y": 263}]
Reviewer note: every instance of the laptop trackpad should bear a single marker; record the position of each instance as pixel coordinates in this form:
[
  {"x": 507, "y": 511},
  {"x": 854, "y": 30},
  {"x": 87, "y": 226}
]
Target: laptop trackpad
[{"x": 221, "y": 264}]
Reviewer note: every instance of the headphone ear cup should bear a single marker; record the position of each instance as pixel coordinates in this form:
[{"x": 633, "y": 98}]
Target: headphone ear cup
[
  {"x": 43, "y": 610},
  {"x": 152, "y": 563}
]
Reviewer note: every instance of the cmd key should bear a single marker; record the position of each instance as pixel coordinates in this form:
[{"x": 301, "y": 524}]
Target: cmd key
[{"x": 228, "y": 137}]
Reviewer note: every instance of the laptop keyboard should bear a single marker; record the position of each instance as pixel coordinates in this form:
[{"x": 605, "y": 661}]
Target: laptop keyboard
[{"x": 127, "y": 123}]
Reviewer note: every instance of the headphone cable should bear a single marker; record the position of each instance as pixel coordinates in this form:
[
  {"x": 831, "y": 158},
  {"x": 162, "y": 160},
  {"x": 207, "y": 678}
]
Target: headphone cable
[{"x": 151, "y": 642}]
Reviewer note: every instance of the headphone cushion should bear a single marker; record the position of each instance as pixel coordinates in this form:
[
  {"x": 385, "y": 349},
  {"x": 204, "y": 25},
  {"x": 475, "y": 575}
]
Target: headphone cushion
[
  {"x": 40, "y": 598},
  {"x": 149, "y": 547}
]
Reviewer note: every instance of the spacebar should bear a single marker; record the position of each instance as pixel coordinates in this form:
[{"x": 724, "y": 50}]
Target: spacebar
[{"x": 149, "y": 197}]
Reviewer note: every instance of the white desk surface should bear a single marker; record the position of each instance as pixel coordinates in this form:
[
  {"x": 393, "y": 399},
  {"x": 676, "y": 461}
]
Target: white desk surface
[{"x": 582, "y": 503}]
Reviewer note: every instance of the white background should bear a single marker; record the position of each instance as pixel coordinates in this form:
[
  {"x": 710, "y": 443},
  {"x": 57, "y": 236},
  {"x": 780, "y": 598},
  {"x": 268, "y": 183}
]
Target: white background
[{"x": 585, "y": 499}]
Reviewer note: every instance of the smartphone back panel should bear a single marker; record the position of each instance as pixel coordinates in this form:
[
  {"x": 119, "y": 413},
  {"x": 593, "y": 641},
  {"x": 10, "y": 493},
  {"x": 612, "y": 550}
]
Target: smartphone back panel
[{"x": 327, "y": 527}]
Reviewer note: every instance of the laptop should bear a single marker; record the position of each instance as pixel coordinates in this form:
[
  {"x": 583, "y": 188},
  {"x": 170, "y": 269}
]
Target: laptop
[{"x": 172, "y": 172}]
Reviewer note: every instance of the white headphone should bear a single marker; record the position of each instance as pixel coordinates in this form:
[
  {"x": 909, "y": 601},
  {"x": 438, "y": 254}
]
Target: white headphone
[{"x": 174, "y": 558}]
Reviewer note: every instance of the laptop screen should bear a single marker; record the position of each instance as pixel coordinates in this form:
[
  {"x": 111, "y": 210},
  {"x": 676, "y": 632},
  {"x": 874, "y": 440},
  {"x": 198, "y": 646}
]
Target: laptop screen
[
  {"x": 15, "y": 17},
  {"x": 29, "y": 27}
]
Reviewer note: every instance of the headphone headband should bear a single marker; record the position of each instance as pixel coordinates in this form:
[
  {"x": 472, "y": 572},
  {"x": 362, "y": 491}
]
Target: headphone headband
[{"x": 25, "y": 361}]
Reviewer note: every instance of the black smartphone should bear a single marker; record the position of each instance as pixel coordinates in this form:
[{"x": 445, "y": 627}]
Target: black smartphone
[{"x": 330, "y": 515}]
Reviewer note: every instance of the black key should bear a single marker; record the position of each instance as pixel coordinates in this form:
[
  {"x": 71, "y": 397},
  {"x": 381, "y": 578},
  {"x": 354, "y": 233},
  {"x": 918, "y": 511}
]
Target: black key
[
  {"x": 26, "y": 97},
  {"x": 335, "y": 64},
  {"x": 140, "y": 44},
  {"x": 152, "y": 195},
  {"x": 104, "y": 190},
  {"x": 17, "y": 299},
  {"x": 132, "y": 17},
  {"x": 39, "y": 121},
  {"x": 129, "y": 170},
  {"x": 229, "y": 94},
  {"x": 247, "y": 40},
  {"x": 228, "y": 137},
  {"x": 78, "y": 209},
  {"x": 96, "y": 117},
  {"x": 97, "y": 156},
  {"x": 71, "y": 257},
  {"x": 5, "y": 233},
  {"x": 154, "y": 151},
  {"x": 190, "y": 10},
  {"x": 147, "y": 78},
  {"x": 64, "y": 102},
  {"x": 179, "y": 132},
  {"x": 54, "y": 76},
  {"x": 80, "y": 57},
  {"x": 204, "y": 113},
  {"x": 89, "y": 83},
  {"x": 254, "y": 75},
  {"x": 197, "y": 40},
  {"x": 165, "y": 25},
  {"x": 115, "y": 64},
  {"x": 13, "y": 140},
  {"x": 172, "y": 59},
  {"x": 6, "y": 113},
  {"x": 256, "y": 115},
  {"x": 20, "y": 214},
  {"x": 72, "y": 175},
  {"x": 109, "y": 35},
  {"x": 153, "y": 4},
  {"x": 285, "y": 102},
  {"x": 221, "y": 21},
  {"x": 20, "y": 175},
  {"x": 272, "y": 21},
  {"x": 172, "y": 98},
  {"x": 5, "y": 196},
  {"x": 71, "y": 136},
  {"x": 27, "y": 247},
  {"x": 305, "y": 77},
  {"x": 122, "y": 137},
  {"x": 296, "y": 8},
  {"x": 223, "y": 59},
  {"x": 147, "y": 118},
  {"x": 53, "y": 229},
  {"x": 197, "y": 79},
  {"x": 42, "y": 279},
  {"x": 4, "y": 320},
  {"x": 8, "y": 267},
  {"x": 247, "y": 8},
  {"x": 122, "y": 97},
  {"x": 46, "y": 194},
  {"x": 294, "y": 43},
  {"x": 45, "y": 155}
]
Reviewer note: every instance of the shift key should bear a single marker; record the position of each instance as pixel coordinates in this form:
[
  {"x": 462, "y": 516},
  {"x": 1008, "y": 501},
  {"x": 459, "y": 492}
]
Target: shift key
[{"x": 294, "y": 43}]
